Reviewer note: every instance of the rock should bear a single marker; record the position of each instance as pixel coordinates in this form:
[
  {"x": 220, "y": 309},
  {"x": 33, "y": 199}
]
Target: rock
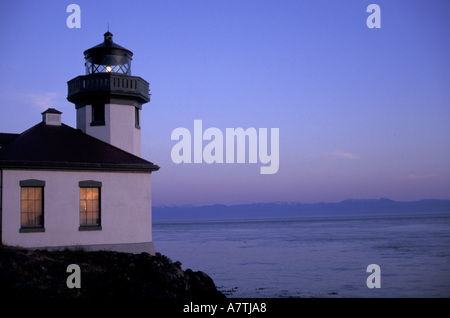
[{"x": 104, "y": 274}]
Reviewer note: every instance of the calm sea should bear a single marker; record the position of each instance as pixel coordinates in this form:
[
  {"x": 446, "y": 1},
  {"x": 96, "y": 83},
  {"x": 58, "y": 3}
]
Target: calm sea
[{"x": 315, "y": 257}]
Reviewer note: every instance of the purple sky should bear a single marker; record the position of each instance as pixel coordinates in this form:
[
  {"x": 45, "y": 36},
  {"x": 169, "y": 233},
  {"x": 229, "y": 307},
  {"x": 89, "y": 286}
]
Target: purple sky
[{"x": 362, "y": 113}]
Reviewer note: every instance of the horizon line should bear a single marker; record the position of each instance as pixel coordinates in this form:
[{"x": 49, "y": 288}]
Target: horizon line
[{"x": 292, "y": 202}]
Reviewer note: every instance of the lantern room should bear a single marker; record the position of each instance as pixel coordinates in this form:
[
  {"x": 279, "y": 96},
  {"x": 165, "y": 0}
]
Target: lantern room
[{"x": 108, "y": 57}]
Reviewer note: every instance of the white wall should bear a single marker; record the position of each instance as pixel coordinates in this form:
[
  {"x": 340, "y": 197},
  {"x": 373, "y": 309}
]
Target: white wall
[
  {"x": 125, "y": 209},
  {"x": 99, "y": 132},
  {"x": 119, "y": 129},
  {"x": 124, "y": 133}
]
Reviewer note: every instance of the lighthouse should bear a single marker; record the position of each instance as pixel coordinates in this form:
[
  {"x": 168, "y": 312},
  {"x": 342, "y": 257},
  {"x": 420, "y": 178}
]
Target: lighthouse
[
  {"x": 108, "y": 99},
  {"x": 62, "y": 187}
]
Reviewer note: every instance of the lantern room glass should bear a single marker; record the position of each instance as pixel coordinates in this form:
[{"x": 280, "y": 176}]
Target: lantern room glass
[{"x": 108, "y": 64}]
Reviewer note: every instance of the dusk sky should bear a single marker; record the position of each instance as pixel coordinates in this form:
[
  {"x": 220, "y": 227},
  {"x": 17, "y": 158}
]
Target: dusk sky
[{"x": 362, "y": 112}]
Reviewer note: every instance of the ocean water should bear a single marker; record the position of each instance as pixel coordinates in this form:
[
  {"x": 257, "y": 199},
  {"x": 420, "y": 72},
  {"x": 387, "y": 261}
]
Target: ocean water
[{"x": 315, "y": 256}]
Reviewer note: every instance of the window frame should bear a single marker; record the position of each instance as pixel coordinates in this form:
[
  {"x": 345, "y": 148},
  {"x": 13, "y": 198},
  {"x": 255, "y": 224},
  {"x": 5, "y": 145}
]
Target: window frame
[
  {"x": 90, "y": 184},
  {"x": 33, "y": 183}
]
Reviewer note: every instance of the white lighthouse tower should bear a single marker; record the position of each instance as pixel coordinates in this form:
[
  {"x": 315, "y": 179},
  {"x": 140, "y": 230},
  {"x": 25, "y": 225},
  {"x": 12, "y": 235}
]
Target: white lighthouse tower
[{"x": 108, "y": 100}]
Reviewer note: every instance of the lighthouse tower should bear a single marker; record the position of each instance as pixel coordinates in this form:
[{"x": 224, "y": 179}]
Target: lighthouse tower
[{"x": 108, "y": 100}]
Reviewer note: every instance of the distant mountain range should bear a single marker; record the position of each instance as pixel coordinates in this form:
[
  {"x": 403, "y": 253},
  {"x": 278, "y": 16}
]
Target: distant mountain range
[{"x": 293, "y": 210}]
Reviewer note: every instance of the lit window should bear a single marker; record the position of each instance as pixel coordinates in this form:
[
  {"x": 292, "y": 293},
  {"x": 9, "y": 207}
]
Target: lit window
[
  {"x": 90, "y": 205},
  {"x": 32, "y": 206}
]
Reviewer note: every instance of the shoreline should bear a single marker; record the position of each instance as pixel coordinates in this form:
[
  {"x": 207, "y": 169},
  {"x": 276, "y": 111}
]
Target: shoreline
[{"x": 102, "y": 274}]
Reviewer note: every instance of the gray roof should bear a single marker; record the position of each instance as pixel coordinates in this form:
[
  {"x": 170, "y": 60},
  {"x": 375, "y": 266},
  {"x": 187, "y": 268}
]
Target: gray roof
[{"x": 63, "y": 147}]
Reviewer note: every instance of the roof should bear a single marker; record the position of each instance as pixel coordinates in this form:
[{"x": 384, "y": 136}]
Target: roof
[
  {"x": 51, "y": 111},
  {"x": 107, "y": 46},
  {"x": 63, "y": 147},
  {"x": 6, "y": 138}
]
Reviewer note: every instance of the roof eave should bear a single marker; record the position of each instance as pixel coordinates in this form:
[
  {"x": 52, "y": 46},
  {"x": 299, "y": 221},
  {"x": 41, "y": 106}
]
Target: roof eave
[{"x": 30, "y": 165}]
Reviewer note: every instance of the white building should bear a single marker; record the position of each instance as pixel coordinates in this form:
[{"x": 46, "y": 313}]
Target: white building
[{"x": 86, "y": 187}]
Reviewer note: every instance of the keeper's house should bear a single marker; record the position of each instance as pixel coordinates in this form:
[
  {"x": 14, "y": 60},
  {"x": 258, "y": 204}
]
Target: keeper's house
[{"x": 86, "y": 187}]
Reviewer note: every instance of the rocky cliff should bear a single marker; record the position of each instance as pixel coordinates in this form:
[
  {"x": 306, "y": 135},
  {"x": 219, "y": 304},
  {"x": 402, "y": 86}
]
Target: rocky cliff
[{"x": 102, "y": 274}]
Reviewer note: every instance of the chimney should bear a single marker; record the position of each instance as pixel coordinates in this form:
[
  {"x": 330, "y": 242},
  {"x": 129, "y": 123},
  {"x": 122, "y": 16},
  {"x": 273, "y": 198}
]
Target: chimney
[{"x": 52, "y": 117}]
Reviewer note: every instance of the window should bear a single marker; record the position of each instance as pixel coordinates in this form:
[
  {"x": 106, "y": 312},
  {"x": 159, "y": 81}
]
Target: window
[
  {"x": 90, "y": 205},
  {"x": 32, "y": 206},
  {"x": 137, "y": 120},
  {"x": 98, "y": 115}
]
